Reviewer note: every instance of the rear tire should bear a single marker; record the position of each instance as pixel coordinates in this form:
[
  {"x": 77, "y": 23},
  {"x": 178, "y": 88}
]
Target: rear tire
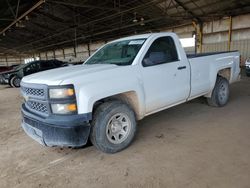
[
  {"x": 220, "y": 94},
  {"x": 113, "y": 127},
  {"x": 15, "y": 81}
]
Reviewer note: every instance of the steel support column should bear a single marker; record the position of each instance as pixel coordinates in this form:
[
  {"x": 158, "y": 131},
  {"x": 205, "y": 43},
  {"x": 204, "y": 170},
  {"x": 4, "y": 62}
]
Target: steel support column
[
  {"x": 199, "y": 34},
  {"x": 230, "y": 33}
]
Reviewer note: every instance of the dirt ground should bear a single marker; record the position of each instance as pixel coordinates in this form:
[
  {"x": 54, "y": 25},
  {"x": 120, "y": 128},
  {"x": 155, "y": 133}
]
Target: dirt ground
[{"x": 188, "y": 146}]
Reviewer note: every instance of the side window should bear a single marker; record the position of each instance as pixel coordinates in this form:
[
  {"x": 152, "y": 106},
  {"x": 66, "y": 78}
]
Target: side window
[
  {"x": 57, "y": 63},
  {"x": 46, "y": 65},
  {"x": 162, "y": 50},
  {"x": 27, "y": 70},
  {"x": 32, "y": 68}
]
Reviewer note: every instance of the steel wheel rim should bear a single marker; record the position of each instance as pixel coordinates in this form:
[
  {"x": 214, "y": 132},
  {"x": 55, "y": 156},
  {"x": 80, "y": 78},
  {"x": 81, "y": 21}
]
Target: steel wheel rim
[
  {"x": 223, "y": 93},
  {"x": 118, "y": 128}
]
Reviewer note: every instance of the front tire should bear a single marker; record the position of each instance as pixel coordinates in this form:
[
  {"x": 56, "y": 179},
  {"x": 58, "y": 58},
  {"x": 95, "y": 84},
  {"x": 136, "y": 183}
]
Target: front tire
[
  {"x": 9, "y": 81},
  {"x": 15, "y": 81},
  {"x": 113, "y": 127},
  {"x": 220, "y": 94}
]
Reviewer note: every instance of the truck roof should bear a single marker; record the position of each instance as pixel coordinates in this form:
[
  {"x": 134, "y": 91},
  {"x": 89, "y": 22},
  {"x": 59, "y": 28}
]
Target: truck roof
[{"x": 147, "y": 35}]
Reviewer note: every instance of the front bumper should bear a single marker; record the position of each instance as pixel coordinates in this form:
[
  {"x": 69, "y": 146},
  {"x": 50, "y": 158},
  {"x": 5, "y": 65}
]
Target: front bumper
[{"x": 72, "y": 131}]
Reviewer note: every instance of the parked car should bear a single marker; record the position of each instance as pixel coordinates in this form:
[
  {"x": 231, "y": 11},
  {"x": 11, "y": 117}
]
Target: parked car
[
  {"x": 248, "y": 67},
  {"x": 5, "y": 73},
  {"x": 124, "y": 81},
  {"x": 13, "y": 77}
]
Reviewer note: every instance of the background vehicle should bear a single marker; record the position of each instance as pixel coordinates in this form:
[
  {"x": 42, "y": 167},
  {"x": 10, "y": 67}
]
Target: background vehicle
[
  {"x": 5, "y": 74},
  {"x": 121, "y": 83},
  {"x": 248, "y": 67},
  {"x": 14, "y": 76},
  {"x": 7, "y": 68}
]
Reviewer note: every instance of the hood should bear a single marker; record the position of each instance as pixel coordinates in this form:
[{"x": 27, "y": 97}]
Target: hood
[{"x": 58, "y": 75}]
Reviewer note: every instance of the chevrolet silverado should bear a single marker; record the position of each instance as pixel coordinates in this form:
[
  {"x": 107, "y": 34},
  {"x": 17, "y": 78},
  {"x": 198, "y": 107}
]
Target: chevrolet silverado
[{"x": 121, "y": 83}]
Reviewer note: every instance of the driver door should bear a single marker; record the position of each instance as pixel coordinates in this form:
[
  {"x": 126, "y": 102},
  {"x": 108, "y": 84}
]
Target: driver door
[{"x": 166, "y": 77}]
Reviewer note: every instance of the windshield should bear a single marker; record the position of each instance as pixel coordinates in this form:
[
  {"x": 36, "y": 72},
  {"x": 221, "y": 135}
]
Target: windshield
[
  {"x": 19, "y": 66},
  {"x": 118, "y": 53}
]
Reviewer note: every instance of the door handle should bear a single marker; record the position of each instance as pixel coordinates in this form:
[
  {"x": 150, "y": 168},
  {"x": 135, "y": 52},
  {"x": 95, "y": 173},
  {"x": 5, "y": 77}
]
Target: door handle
[{"x": 181, "y": 67}]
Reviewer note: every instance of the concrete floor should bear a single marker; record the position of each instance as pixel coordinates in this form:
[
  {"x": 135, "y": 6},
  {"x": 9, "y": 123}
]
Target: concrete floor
[{"x": 191, "y": 145}]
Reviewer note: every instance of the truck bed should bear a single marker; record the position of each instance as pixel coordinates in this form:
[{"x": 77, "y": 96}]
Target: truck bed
[
  {"x": 205, "y": 66},
  {"x": 189, "y": 56}
]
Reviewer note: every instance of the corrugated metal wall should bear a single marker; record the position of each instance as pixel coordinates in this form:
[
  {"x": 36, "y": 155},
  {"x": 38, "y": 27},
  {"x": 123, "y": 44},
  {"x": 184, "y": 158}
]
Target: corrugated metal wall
[
  {"x": 216, "y": 36},
  {"x": 8, "y": 61},
  {"x": 214, "y": 47},
  {"x": 80, "y": 53},
  {"x": 242, "y": 45}
]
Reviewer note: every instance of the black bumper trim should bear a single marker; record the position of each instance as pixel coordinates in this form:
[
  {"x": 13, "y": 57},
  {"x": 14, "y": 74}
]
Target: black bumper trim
[
  {"x": 72, "y": 135},
  {"x": 58, "y": 120}
]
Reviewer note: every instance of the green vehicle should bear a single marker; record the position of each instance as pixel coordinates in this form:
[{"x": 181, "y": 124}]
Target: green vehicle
[{"x": 14, "y": 76}]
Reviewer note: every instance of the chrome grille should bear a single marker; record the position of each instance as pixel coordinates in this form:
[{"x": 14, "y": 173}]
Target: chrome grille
[
  {"x": 33, "y": 92},
  {"x": 37, "y": 106}
]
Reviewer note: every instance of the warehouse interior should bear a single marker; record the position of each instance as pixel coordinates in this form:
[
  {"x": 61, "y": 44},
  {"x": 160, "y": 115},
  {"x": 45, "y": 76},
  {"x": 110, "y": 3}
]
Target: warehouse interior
[
  {"x": 190, "y": 145},
  {"x": 66, "y": 30}
]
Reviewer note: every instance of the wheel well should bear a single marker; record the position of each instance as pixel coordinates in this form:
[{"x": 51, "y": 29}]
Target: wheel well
[
  {"x": 130, "y": 98},
  {"x": 225, "y": 73},
  {"x": 11, "y": 76}
]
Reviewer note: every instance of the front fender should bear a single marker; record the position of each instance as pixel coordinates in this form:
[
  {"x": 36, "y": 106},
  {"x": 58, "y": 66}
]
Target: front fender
[{"x": 90, "y": 93}]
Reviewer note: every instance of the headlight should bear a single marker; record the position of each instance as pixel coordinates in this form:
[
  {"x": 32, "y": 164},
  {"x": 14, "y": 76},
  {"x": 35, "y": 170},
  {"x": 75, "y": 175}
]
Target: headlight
[
  {"x": 64, "y": 108},
  {"x": 61, "y": 93}
]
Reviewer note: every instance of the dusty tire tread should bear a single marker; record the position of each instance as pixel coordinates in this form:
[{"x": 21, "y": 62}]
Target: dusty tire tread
[
  {"x": 213, "y": 101},
  {"x": 99, "y": 115}
]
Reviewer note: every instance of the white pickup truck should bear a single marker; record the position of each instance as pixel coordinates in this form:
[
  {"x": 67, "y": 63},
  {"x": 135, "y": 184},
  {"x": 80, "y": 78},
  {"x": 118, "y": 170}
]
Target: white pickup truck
[{"x": 122, "y": 82}]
